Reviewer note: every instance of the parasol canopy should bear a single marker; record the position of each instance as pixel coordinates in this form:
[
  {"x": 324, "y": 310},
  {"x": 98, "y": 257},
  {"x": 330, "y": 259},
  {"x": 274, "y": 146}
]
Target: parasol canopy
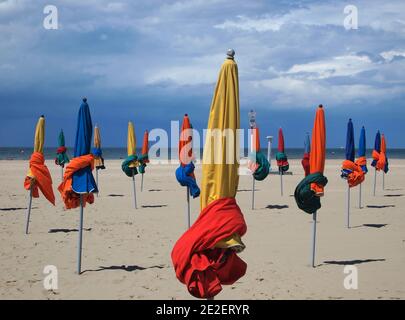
[
  {"x": 258, "y": 163},
  {"x": 38, "y": 176},
  {"x": 308, "y": 192},
  {"x": 362, "y": 150},
  {"x": 78, "y": 178},
  {"x": 185, "y": 172},
  {"x": 131, "y": 162},
  {"x": 144, "y": 158},
  {"x": 61, "y": 156},
  {"x": 305, "y": 159},
  {"x": 97, "y": 152},
  {"x": 281, "y": 157},
  {"x": 205, "y": 257}
]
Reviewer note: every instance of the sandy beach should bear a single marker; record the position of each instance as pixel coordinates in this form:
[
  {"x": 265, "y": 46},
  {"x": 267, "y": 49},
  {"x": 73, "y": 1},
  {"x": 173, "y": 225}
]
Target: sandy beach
[{"x": 126, "y": 252}]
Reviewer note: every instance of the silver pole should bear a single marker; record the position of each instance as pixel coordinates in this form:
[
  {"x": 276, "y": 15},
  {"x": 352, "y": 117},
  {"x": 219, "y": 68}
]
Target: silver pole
[
  {"x": 61, "y": 172},
  {"x": 133, "y": 183},
  {"x": 313, "y": 239},
  {"x": 142, "y": 183},
  {"x": 375, "y": 180},
  {"x": 348, "y": 207},
  {"x": 281, "y": 182},
  {"x": 79, "y": 252},
  {"x": 383, "y": 178},
  {"x": 28, "y": 211},
  {"x": 360, "y": 187},
  {"x": 253, "y": 192},
  {"x": 188, "y": 208},
  {"x": 97, "y": 182}
]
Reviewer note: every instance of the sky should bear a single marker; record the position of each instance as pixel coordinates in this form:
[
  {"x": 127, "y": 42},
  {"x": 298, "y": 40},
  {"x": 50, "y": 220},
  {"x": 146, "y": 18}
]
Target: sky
[{"x": 152, "y": 61}]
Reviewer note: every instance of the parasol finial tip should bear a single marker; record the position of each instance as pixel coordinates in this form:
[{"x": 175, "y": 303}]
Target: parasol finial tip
[
  {"x": 230, "y": 53},
  {"x": 84, "y": 99},
  {"x": 320, "y": 106},
  {"x": 42, "y": 116},
  {"x": 186, "y": 115}
]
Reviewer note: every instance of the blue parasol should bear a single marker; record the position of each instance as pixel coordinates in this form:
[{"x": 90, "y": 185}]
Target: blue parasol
[{"x": 83, "y": 180}]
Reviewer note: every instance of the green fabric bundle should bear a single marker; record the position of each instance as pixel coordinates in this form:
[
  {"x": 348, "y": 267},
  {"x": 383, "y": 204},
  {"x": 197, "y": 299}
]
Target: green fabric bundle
[
  {"x": 282, "y": 161},
  {"x": 143, "y": 159},
  {"x": 263, "y": 169},
  {"x": 130, "y": 172},
  {"x": 305, "y": 197}
]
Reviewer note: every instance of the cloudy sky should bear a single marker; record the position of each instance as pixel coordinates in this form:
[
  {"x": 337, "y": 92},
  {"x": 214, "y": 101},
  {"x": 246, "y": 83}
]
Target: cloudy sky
[{"x": 152, "y": 61}]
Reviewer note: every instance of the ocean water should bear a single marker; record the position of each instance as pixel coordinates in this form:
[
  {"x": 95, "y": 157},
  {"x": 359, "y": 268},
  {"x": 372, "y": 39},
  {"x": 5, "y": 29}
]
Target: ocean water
[{"x": 120, "y": 153}]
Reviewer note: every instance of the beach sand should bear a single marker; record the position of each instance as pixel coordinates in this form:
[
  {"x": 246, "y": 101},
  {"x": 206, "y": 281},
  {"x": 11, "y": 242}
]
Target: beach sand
[{"x": 126, "y": 252}]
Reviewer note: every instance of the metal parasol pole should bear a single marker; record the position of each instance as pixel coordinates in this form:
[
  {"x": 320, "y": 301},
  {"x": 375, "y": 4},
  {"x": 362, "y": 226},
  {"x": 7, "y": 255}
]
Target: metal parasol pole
[
  {"x": 383, "y": 180},
  {"x": 61, "y": 172},
  {"x": 97, "y": 182},
  {"x": 253, "y": 192},
  {"x": 28, "y": 211},
  {"x": 133, "y": 183},
  {"x": 360, "y": 187},
  {"x": 348, "y": 207},
  {"x": 281, "y": 182},
  {"x": 375, "y": 180},
  {"x": 313, "y": 239},
  {"x": 79, "y": 251},
  {"x": 142, "y": 182},
  {"x": 188, "y": 208}
]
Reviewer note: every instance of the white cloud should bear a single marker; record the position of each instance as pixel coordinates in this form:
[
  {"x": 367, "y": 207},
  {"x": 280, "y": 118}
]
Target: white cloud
[
  {"x": 390, "y": 55},
  {"x": 252, "y": 24},
  {"x": 348, "y": 65}
]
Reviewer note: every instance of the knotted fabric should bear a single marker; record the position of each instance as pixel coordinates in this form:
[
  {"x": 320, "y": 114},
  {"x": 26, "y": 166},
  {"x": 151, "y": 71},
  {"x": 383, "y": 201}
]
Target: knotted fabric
[
  {"x": 198, "y": 263},
  {"x": 282, "y": 161},
  {"x": 61, "y": 156},
  {"x": 380, "y": 161},
  {"x": 127, "y": 169},
  {"x": 352, "y": 172},
  {"x": 39, "y": 177},
  {"x": 185, "y": 176},
  {"x": 306, "y": 195},
  {"x": 143, "y": 160},
  {"x": 70, "y": 198},
  {"x": 260, "y": 166}
]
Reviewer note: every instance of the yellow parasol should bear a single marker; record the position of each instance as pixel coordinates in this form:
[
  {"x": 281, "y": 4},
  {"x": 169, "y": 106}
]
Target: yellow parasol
[
  {"x": 131, "y": 143},
  {"x": 220, "y": 159},
  {"x": 220, "y": 167}
]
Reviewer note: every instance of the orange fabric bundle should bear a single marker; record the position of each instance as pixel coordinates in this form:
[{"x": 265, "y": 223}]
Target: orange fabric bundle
[
  {"x": 356, "y": 176},
  {"x": 41, "y": 178},
  {"x": 362, "y": 161},
  {"x": 69, "y": 197},
  {"x": 380, "y": 159}
]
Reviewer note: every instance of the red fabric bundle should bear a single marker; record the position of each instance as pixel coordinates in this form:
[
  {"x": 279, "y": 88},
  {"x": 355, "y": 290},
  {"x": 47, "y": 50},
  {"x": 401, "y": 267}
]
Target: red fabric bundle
[
  {"x": 42, "y": 178},
  {"x": 69, "y": 197},
  {"x": 305, "y": 164},
  {"x": 356, "y": 176},
  {"x": 198, "y": 264}
]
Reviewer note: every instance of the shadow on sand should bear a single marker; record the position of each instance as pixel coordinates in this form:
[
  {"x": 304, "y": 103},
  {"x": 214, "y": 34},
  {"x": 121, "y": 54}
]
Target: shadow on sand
[
  {"x": 15, "y": 209},
  {"x": 352, "y": 262},
  {"x": 394, "y": 195},
  {"x": 382, "y": 207},
  {"x": 277, "y": 206},
  {"x": 124, "y": 268},
  {"x": 155, "y": 206},
  {"x": 66, "y": 230}
]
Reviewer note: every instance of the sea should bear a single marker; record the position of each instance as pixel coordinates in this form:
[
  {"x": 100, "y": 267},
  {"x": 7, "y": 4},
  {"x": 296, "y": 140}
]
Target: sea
[{"x": 24, "y": 153}]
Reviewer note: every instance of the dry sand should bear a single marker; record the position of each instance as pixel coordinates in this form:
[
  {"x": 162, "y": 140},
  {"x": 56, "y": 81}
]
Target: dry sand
[{"x": 126, "y": 252}]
